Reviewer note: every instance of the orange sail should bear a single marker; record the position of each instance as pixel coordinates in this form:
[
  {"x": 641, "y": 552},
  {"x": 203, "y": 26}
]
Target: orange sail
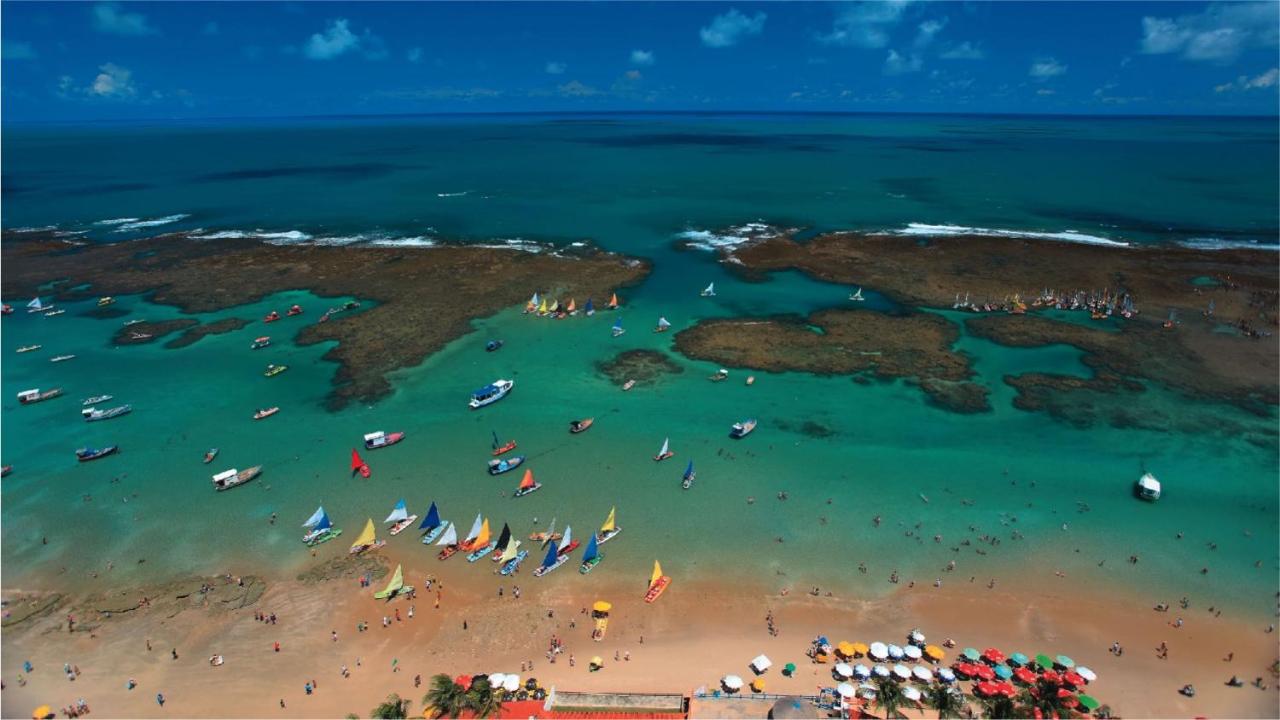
[
  {"x": 613, "y": 301},
  {"x": 481, "y": 540},
  {"x": 356, "y": 461},
  {"x": 573, "y": 305},
  {"x": 527, "y": 482}
]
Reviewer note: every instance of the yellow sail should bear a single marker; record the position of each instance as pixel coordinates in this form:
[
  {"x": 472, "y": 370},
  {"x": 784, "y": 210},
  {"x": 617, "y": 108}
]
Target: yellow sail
[
  {"x": 573, "y": 305},
  {"x": 611, "y": 522},
  {"x": 657, "y": 573},
  {"x": 397, "y": 582},
  {"x": 542, "y": 308},
  {"x": 555, "y": 305},
  {"x": 510, "y": 552},
  {"x": 483, "y": 538},
  {"x": 367, "y": 537},
  {"x": 613, "y": 301}
]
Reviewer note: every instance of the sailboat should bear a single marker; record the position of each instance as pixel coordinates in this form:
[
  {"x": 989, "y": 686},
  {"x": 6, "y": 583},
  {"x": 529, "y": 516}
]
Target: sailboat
[
  {"x": 432, "y": 524},
  {"x": 545, "y": 536},
  {"x": 589, "y": 309},
  {"x": 573, "y": 307},
  {"x": 665, "y": 452},
  {"x": 367, "y": 540},
  {"x": 499, "y": 448},
  {"x": 591, "y": 557},
  {"x": 663, "y": 325},
  {"x": 552, "y": 560},
  {"x": 613, "y": 302},
  {"x": 532, "y": 305},
  {"x": 542, "y": 307},
  {"x": 686, "y": 482},
  {"x": 480, "y": 546},
  {"x": 358, "y": 465},
  {"x": 36, "y": 306},
  {"x": 709, "y": 290},
  {"x": 567, "y": 543},
  {"x": 857, "y": 296},
  {"x": 504, "y": 539},
  {"x": 450, "y": 543},
  {"x": 320, "y": 528},
  {"x": 555, "y": 307},
  {"x": 512, "y": 558},
  {"x": 395, "y": 587},
  {"x": 617, "y": 328},
  {"x": 527, "y": 485},
  {"x": 657, "y": 583},
  {"x": 610, "y": 528},
  {"x": 400, "y": 518}
]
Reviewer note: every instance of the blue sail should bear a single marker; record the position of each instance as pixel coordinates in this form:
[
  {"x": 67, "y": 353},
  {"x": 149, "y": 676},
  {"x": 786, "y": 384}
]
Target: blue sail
[
  {"x": 592, "y": 552},
  {"x": 324, "y": 523},
  {"x": 315, "y": 518},
  {"x": 432, "y": 520},
  {"x": 590, "y": 307},
  {"x": 550, "y": 559},
  {"x": 689, "y": 470},
  {"x": 618, "y": 325}
]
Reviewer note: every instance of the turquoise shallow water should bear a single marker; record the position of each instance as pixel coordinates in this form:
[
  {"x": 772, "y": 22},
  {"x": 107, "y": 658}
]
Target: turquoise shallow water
[{"x": 633, "y": 185}]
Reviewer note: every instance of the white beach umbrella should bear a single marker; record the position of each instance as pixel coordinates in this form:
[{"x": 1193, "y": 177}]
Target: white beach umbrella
[
  {"x": 880, "y": 671},
  {"x": 912, "y": 652},
  {"x": 1086, "y": 673},
  {"x": 733, "y": 682},
  {"x": 868, "y": 691},
  {"x": 901, "y": 672},
  {"x": 861, "y": 671},
  {"x": 895, "y": 652},
  {"x": 878, "y": 650},
  {"x": 916, "y": 637},
  {"x": 761, "y": 663},
  {"x": 511, "y": 683},
  {"x": 911, "y": 693},
  {"x": 496, "y": 680},
  {"x": 922, "y": 673},
  {"x": 843, "y": 670},
  {"x": 845, "y": 690},
  {"x": 946, "y": 675}
]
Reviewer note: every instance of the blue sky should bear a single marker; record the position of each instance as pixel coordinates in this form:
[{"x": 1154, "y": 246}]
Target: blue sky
[{"x": 86, "y": 61}]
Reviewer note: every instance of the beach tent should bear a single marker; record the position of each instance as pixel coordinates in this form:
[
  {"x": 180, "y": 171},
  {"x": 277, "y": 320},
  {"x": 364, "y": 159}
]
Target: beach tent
[
  {"x": 732, "y": 682},
  {"x": 922, "y": 673},
  {"x": 761, "y": 663},
  {"x": 912, "y": 652},
  {"x": 843, "y": 670},
  {"x": 511, "y": 683},
  {"x": 496, "y": 680},
  {"x": 845, "y": 690}
]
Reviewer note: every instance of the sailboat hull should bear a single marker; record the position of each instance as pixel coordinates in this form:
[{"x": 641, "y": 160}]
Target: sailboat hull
[
  {"x": 514, "y": 563},
  {"x": 602, "y": 538},
  {"x": 525, "y": 491},
  {"x": 657, "y": 588},
  {"x": 590, "y": 565},
  {"x": 324, "y": 538},
  {"x": 482, "y": 552},
  {"x": 434, "y": 532},
  {"x": 402, "y": 524}
]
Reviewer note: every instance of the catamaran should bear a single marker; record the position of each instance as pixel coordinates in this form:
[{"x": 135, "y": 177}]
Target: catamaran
[
  {"x": 591, "y": 557},
  {"x": 273, "y": 370},
  {"x": 686, "y": 482},
  {"x": 589, "y": 309},
  {"x": 368, "y": 539},
  {"x": 709, "y": 290},
  {"x": 610, "y": 529},
  {"x": 500, "y": 448},
  {"x": 358, "y": 465},
  {"x": 480, "y": 546},
  {"x": 228, "y": 479},
  {"x": 380, "y": 439},
  {"x": 400, "y": 518},
  {"x": 657, "y": 583},
  {"x": 320, "y": 528},
  {"x": 491, "y": 393},
  {"x": 450, "y": 543},
  {"x": 617, "y": 327},
  {"x": 395, "y": 587},
  {"x": 663, "y": 325},
  {"x": 512, "y": 558},
  {"x": 527, "y": 485},
  {"x": 665, "y": 452},
  {"x": 742, "y": 429},
  {"x": 432, "y": 524},
  {"x": 857, "y": 296},
  {"x": 497, "y": 466}
]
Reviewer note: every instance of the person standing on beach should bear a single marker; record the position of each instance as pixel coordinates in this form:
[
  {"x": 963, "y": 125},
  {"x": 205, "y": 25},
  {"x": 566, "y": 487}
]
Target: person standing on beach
[{"x": 160, "y": 699}]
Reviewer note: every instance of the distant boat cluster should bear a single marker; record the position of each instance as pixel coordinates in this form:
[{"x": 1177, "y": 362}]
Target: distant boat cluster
[{"x": 1100, "y": 304}]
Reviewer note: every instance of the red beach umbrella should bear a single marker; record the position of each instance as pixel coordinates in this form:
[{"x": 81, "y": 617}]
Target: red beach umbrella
[
  {"x": 1051, "y": 676},
  {"x": 986, "y": 687},
  {"x": 1006, "y": 689},
  {"x": 963, "y": 668},
  {"x": 1023, "y": 675},
  {"x": 1073, "y": 678},
  {"x": 463, "y": 680},
  {"x": 993, "y": 655},
  {"x": 983, "y": 672}
]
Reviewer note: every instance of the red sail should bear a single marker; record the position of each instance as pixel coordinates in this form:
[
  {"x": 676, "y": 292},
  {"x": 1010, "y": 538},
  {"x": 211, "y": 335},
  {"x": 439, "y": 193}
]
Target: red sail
[
  {"x": 527, "y": 482},
  {"x": 356, "y": 462}
]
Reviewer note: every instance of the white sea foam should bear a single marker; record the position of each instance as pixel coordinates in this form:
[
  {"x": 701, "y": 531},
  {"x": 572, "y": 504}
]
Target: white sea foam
[
  {"x": 1220, "y": 244},
  {"x": 142, "y": 224},
  {"x": 925, "y": 229},
  {"x": 520, "y": 244},
  {"x": 729, "y": 238},
  {"x": 117, "y": 221},
  {"x": 419, "y": 242},
  {"x": 42, "y": 228}
]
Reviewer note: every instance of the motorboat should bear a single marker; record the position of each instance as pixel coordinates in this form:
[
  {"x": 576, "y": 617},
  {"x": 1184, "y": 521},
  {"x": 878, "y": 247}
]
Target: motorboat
[
  {"x": 490, "y": 393},
  {"x": 1148, "y": 487},
  {"x": 87, "y": 454},
  {"x": 742, "y": 429},
  {"x": 265, "y": 413},
  {"x": 27, "y": 397},
  {"x": 380, "y": 439},
  {"x": 577, "y": 426},
  {"x": 497, "y": 466},
  {"x": 228, "y": 479}
]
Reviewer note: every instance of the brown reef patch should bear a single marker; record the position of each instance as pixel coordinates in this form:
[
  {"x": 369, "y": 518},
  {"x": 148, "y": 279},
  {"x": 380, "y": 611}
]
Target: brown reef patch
[
  {"x": 217, "y": 327},
  {"x": 110, "y": 312},
  {"x": 643, "y": 366}
]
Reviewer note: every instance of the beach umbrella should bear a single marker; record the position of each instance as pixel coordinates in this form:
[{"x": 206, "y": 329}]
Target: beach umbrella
[
  {"x": 878, "y": 650},
  {"x": 946, "y": 675},
  {"x": 861, "y": 671},
  {"x": 511, "y": 683},
  {"x": 912, "y": 652},
  {"x": 1044, "y": 661},
  {"x": 602, "y": 606},
  {"x": 1088, "y": 675},
  {"x": 42, "y": 712},
  {"x": 531, "y": 684},
  {"x": 922, "y": 673},
  {"x": 935, "y": 653},
  {"x": 732, "y": 682},
  {"x": 1051, "y": 676},
  {"x": 916, "y": 637},
  {"x": 1006, "y": 689},
  {"x": 845, "y": 690},
  {"x": 496, "y": 680},
  {"x": 971, "y": 653},
  {"x": 993, "y": 655},
  {"x": 1089, "y": 702},
  {"x": 788, "y": 669},
  {"x": 845, "y": 649},
  {"x": 880, "y": 671},
  {"x": 983, "y": 672},
  {"x": 843, "y": 670},
  {"x": 463, "y": 680},
  {"x": 895, "y": 652},
  {"x": 1003, "y": 672},
  {"x": 1019, "y": 659},
  {"x": 901, "y": 672},
  {"x": 911, "y": 693},
  {"x": 597, "y": 661},
  {"x": 761, "y": 663},
  {"x": 758, "y": 685},
  {"x": 986, "y": 687},
  {"x": 860, "y": 648},
  {"x": 964, "y": 669},
  {"x": 1066, "y": 662},
  {"x": 1023, "y": 675}
]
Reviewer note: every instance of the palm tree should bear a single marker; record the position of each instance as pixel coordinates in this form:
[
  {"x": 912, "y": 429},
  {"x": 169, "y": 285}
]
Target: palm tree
[
  {"x": 394, "y": 708},
  {"x": 445, "y": 698},
  {"x": 889, "y": 697},
  {"x": 482, "y": 700},
  {"x": 948, "y": 701},
  {"x": 999, "y": 706},
  {"x": 1044, "y": 696}
]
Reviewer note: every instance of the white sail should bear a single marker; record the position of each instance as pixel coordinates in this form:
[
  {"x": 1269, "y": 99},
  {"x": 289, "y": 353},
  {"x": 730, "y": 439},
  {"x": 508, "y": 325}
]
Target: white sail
[
  {"x": 662, "y": 322},
  {"x": 450, "y": 536},
  {"x": 315, "y": 518},
  {"x": 666, "y": 446},
  {"x": 510, "y": 552},
  {"x": 551, "y": 529},
  {"x": 711, "y": 290},
  {"x": 568, "y": 536},
  {"x": 36, "y": 304},
  {"x": 475, "y": 528},
  {"x": 399, "y": 513}
]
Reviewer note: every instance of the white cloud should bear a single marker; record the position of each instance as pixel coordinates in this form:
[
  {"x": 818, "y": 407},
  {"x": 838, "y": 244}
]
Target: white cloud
[
  {"x": 573, "y": 88},
  {"x": 1218, "y": 34},
  {"x": 928, "y": 30},
  {"x": 865, "y": 24},
  {"x": 730, "y": 28},
  {"x": 210, "y": 28},
  {"x": 1268, "y": 79},
  {"x": 414, "y": 55},
  {"x": 10, "y": 50},
  {"x": 109, "y": 18},
  {"x": 113, "y": 82},
  {"x": 964, "y": 51},
  {"x": 1045, "y": 91},
  {"x": 556, "y": 68},
  {"x": 336, "y": 40},
  {"x": 897, "y": 64},
  {"x": 642, "y": 57},
  {"x": 1046, "y": 68}
]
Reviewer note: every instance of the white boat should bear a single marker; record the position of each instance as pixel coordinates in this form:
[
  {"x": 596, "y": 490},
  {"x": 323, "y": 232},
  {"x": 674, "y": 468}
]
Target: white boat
[
  {"x": 663, "y": 325},
  {"x": 1148, "y": 487},
  {"x": 54, "y": 313},
  {"x": 61, "y": 358},
  {"x": 134, "y": 321},
  {"x": 400, "y": 518},
  {"x": 617, "y": 328},
  {"x": 491, "y": 393},
  {"x": 29, "y": 348},
  {"x": 228, "y": 479},
  {"x": 93, "y": 414},
  {"x": 96, "y": 399},
  {"x": 36, "y": 306},
  {"x": 857, "y": 296},
  {"x": 709, "y": 290}
]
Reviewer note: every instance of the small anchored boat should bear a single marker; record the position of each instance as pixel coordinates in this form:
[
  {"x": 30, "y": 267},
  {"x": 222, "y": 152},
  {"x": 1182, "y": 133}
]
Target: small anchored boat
[
  {"x": 27, "y": 397},
  {"x": 105, "y": 301},
  {"x": 55, "y": 313},
  {"x": 527, "y": 485},
  {"x": 36, "y": 306},
  {"x": 228, "y": 479},
  {"x": 94, "y": 414},
  {"x": 61, "y": 358},
  {"x": 400, "y": 518},
  {"x": 665, "y": 452},
  {"x": 493, "y": 345},
  {"x": 1147, "y": 487},
  {"x": 504, "y": 541},
  {"x": 480, "y": 546},
  {"x": 273, "y": 370},
  {"x": 134, "y": 321},
  {"x": 497, "y": 466},
  {"x": 261, "y": 342},
  {"x": 577, "y": 426},
  {"x": 719, "y": 375},
  {"x": 553, "y": 560},
  {"x": 658, "y": 583},
  {"x": 320, "y": 529},
  {"x": 368, "y": 539},
  {"x": 709, "y": 290},
  {"x": 857, "y": 296},
  {"x": 29, "y": 348},
  {"x": 663, "y": 325},
  {"x": 265, "y": 413},
  {"x": 628, "y": 385},
  {"x": 610, "y": 529},
  {"x": 613, "y": 301},
  {"x": 432, "y": 525},
  {"x": 617, "y": 328},
  {"x": 589, "y": 309},
  {"x": 491, "y": 393},
  {"x": 294, "y": 310},
  {"x": 686, "y": 481},
  {"x": 380, "y": 439},
  {"x": 271, "y": 316},
  {"x": 449, "y": 543},
  {"x": 209, "y": 456},
  {"x": 591, "y": 557},
  {"x": 500, "y": 448},
  {"x": 358, "y": 465},
  {"x": 87, "y": 454},
  {"x": 545, "y": 536},
  {"x": 512, "y": 557},
  {"x": 742, "y": 429},
  {"x": 95, "y": 400},
  {"x": 395, "y": 586}
]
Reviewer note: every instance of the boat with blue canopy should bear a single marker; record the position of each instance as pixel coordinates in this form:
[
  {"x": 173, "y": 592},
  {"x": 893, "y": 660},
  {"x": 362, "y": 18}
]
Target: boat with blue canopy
[{"x": 491, "y": 393}]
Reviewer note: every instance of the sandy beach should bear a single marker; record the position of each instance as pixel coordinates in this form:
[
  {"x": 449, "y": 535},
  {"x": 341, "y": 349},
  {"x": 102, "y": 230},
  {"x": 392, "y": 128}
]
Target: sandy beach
[{"x": 691, "y": 637}]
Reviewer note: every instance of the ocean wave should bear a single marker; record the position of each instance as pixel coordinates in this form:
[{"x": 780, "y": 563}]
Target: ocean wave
[
  {"x": 288, "y": 237},
  {"x": 117, "y": 221},
  {"x": 42, "y": 228},
  {"x": 728, "y": 238},
  {"x": 453, "y": 194},
  {"x": 127, "y": 226},
  {"x": 419, "y": 241},
  {"x": 1220, "y": 244},
  {"x": 925, "y": 229},
  {"x": 520, "y": 244}
]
